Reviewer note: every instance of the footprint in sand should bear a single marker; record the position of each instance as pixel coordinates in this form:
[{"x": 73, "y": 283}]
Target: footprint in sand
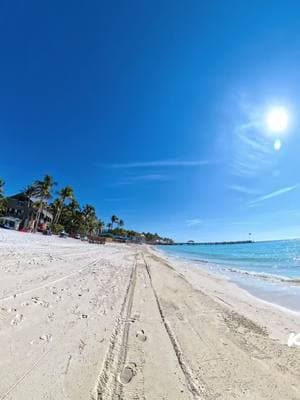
[
  {"x": 127, "y": 374},
  {"x": 46, "y": 337},
  {"x": 17, "y": 320},
  {"x": 51, "y": 316},
  {"x": 141, "y": 335},
  {"x": 42, "y": 303}
]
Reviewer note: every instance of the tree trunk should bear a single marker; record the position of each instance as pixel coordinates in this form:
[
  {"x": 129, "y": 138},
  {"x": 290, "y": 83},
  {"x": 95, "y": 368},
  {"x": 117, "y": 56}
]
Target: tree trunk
[
  {"x": 59, "y": 211},
  {"x": 57, "y": 215},
  {"x": 28, "y": 215},
  {"x": 39, "y": 215}
]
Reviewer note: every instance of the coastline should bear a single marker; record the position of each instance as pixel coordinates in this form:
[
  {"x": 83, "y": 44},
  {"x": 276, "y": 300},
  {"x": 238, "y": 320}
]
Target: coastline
[
  {"x": 222, "y": 289},
  {"x": 99, "y": 322},
  {"x": 279, "y": 291}
]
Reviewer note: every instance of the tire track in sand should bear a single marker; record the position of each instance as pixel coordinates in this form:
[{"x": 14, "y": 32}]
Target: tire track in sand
[
  {"x": 193, "y": 386},
  {"x": 108, "y": 385},
  {"x": 20, "y": 380}
]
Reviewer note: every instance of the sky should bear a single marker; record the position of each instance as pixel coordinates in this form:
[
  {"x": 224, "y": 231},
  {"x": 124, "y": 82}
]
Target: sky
[{"x": 156, "y": 111}]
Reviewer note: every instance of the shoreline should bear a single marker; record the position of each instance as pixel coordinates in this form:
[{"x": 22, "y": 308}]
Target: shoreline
[
  {"x": 278, "y": 291},
  {"x": 222, "y": 289}
]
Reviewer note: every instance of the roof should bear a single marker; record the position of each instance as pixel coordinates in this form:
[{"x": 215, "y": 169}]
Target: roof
[
  {"x": 11, "y": 219},
  {"x": 19, "y": 196}
]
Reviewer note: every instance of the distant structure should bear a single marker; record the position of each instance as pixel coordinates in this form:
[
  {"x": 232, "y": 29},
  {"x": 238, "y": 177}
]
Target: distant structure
[{"x": 192, "y": 243}]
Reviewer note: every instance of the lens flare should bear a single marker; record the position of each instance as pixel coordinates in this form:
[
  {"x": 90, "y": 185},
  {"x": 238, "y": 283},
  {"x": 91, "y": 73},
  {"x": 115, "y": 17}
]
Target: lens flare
[
  {"x": 277, "y": 144},
  {"x": 277, "y": 120}
]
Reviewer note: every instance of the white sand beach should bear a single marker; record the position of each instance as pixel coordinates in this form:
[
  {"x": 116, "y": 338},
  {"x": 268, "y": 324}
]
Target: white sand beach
[{"x": 82, "y": 321}]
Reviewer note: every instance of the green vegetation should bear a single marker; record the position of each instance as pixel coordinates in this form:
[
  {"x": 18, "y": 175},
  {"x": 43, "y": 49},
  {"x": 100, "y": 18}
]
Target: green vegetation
[
  {"x": 3, "y": 204},
  {"x": 43, "y": 191},
  {"x": 143, "y": 236},
  {"x": 67, "y": 193},
  {"x": 69, "y": 216}
]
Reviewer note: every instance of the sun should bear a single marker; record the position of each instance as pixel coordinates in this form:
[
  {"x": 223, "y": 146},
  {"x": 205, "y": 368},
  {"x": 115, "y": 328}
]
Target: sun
[{"x": 277, "y": 120}]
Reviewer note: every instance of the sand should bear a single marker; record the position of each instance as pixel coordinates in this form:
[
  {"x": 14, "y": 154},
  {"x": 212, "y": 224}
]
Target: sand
[{"x": 82, "y": 321}]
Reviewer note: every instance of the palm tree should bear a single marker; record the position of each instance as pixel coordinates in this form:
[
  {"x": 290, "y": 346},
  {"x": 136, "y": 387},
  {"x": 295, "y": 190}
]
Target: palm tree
[
  {"x": 1, "y": 187},
  {"x": 101, "y": 225},
  {"x": 109, "y": 226},
  {"x": 3, "y": 204},
  {"x": 121, "y": 223},
  {"x": 71, "y": 218},
  {"x": 73, "y": 205},
  {"x": 67, "y": 193},
  {"x": 114, "y": 220},
  {"x": 55, "y": 207},
  {"x": 42, "y": 190},
  {"x": 88, "y": 210},
  {"x": 29, "y": 192},
  {"x": 89, "y": 218}
]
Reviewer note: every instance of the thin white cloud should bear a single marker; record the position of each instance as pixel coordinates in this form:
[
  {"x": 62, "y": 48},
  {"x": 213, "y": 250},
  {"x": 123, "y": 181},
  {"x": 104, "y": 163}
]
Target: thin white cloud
[
  {"x": 242, "y": 189},
  {"x": 271, "y": 195},
  {"x": 253, "y": 153},
  {"x": 129, "y": 180},
  {"x": 160, "y": 163},
  {"x": 194, "y": 221}
]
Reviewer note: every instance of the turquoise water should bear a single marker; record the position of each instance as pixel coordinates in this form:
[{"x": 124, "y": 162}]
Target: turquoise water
[
  {"x": 269, "y": 270},
  {"x": 279, "y": 260}
]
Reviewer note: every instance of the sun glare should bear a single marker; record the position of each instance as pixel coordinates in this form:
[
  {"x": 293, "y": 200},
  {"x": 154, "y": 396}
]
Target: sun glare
[{"x": 277, "y": 120}]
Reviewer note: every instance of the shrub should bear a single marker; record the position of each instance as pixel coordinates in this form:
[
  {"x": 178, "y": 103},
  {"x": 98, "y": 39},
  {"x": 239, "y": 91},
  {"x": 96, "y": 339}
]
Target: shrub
[{"x": 57, "y": 228}]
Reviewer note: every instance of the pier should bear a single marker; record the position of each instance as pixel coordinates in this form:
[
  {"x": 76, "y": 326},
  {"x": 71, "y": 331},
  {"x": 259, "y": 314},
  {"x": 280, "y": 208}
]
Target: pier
[{"x": 191, "y": 243}]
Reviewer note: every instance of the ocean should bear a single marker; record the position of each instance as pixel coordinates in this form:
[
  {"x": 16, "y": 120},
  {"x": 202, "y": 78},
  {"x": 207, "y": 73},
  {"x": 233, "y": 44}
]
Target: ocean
[{"x": 269, "y": 270}]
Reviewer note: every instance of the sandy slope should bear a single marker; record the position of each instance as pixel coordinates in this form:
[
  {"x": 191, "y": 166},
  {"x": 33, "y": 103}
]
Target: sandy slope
[{"x": 80, "y": 321}]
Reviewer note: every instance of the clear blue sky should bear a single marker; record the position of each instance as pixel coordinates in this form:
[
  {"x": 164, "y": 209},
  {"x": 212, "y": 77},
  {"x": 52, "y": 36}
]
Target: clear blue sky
[{"x": 154, "y": 111}]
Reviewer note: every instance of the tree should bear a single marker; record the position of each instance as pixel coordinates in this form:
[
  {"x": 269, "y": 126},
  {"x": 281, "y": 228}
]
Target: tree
[
  {"x": 114, "y": 220},
  {"x": 67, "y": 193},
  {"x": 89, "y": 219},
  {"x": 71, "y": 217},
  {"x": 1, "y": 187},
  {"x": 55, "y": 208},
  {"x": 68, "y": 213},
  {"x": 43, "y": 191},
  {"x": 29, "y": 192},
  {"x": 100, "y": 226},
  {"x": 3, "y": 204},
  {"x": 73, "y": 206}
]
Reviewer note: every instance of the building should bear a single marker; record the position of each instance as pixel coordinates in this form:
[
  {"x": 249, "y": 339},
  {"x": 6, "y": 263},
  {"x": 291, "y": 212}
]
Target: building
[
  {"x": 24, "y": 207},
  {"x": 10, "y": 223}
]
